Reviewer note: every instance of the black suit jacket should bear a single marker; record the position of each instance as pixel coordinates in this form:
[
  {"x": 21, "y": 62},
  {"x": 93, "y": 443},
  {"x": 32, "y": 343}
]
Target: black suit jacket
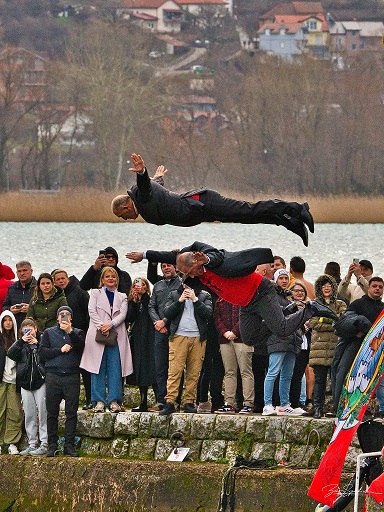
[
  {"x": 221, "y": 262},
  {"x": 158, "y": 205}
]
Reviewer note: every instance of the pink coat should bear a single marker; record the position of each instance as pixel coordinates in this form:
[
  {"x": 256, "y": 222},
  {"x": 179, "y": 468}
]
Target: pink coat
[{"x": 99, "y": 313}]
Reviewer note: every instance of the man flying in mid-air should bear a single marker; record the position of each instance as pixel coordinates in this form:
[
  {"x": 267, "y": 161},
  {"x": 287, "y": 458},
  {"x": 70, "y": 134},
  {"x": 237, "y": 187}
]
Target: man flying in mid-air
[{"x": 158, "y": 205}]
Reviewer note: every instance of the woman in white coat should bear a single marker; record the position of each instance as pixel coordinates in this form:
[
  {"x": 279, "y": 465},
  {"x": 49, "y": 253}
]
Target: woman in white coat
[{"x": 107, "y": 311}]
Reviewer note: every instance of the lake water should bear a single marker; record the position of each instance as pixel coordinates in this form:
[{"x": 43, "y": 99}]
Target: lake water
[{"x": 75, "y": 246}]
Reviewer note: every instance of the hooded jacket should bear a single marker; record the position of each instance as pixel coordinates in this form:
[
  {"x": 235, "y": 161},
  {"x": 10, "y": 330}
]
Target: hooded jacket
[
  {"x": 91, "y": 279},
  {"x": 324, "y": 339},
  {"x": 44, "y": 311},
  {"x": 30, "y": 372},
  {"x": 7, "y": 365}
]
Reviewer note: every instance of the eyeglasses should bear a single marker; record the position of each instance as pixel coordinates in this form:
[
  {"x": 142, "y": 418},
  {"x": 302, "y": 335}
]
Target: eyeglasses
[
  {"x": 110, "y": 257},
  {"x": 297, "y": 290}
]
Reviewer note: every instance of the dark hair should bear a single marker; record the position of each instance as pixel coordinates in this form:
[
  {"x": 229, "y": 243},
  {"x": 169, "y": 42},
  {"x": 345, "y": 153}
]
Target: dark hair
[
  {"x": 44, "y": 275},
  {"x": 279, "y": 258},
  {"x": 376, "y": 278},
  {"x": 8, "y": 336},
  {"x": 332, "y": 268},
  {"x": 297, "y": 264}
]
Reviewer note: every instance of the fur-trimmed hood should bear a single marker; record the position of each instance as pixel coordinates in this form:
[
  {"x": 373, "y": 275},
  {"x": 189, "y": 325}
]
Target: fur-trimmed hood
[{"x": 320, "y": 281}]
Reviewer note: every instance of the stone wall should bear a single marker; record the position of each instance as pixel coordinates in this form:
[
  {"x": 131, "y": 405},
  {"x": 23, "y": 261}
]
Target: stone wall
[{"x": 295, "y": 442}]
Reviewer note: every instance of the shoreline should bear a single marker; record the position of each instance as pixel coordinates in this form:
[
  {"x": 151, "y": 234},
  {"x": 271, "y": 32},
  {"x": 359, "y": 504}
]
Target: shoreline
[{"x": 90, "y": 205}]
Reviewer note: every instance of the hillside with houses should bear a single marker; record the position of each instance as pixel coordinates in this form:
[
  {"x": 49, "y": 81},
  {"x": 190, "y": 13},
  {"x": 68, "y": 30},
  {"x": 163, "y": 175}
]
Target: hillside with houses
[{"x": 289, "y": 94}]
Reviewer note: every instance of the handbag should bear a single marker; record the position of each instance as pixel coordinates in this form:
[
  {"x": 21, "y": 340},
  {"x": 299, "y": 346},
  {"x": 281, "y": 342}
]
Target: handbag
[{"x": 109, "y": 341}]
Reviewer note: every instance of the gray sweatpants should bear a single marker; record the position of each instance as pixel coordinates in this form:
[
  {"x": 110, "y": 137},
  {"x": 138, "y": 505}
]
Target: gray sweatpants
[{"x": 35, "y": 412}]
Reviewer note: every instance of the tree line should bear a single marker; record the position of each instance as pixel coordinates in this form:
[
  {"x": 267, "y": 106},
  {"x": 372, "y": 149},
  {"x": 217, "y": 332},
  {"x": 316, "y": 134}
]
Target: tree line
[{"x": 300, "y": 128}]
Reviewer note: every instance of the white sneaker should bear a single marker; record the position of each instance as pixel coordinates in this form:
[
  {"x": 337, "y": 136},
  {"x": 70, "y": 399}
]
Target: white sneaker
[
  {"x": 286, "y": 410},
  {"x": 268, "y": 410},
  {"x": 12, "y": 450},
  {"x": 299, "y": 411},
  {"x": 28, "y": 450}
]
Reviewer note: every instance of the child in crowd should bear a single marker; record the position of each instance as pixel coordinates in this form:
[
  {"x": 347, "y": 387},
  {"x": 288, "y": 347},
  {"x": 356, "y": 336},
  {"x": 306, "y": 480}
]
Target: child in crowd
[
  {"x": 30, "y": 375},
  {"x": 11, "y": 415}
]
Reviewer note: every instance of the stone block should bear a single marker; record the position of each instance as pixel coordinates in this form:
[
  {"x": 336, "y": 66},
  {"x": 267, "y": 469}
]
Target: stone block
[
  {"x": 180, "y": 423},
  {"x": 275, "y": 428},
  {"x": 212, "y": 451},
  {"x": 325, "y": 430},
  {"x": 90, "y": 446},
  {"x": 232, "y": 451},
  {"x": 263, "y": 451},
  {"x": 282, "y": 453},
  {"x": 303, "y": 457},
  {"x": 127, "y": 423},
  {"x": 95, "y": 425},
  {"x": 142, "y": 449},
  {"x": 159, "y": 425},
  {"x": 256, "y": 426},
  {"x": 163, "y": 449},
  {"x": 202, "y": 425},
  {"x": 351, "y": 458},
  {"x": 297, "y": 430},
  {"x": 144, "y": 423},
  {"x": 195, "y": 449},
  {"x": 120, "y": 448},
  {"x": 229, "y": 426}
]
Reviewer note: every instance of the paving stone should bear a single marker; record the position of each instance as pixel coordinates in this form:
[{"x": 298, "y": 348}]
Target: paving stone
[
  {"x": 127, "y": 423},
  {"x": 212, "y": 451},
  {"x": 229, "y": 426}
]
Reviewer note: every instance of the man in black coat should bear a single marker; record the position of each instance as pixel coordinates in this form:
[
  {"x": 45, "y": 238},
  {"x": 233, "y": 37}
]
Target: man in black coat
[
  {"x": 158, "y": 205},
  {"x": 108, "y": 257},
  {"x": 20, "y": 293},
  {"x": 231, "y": 275}
]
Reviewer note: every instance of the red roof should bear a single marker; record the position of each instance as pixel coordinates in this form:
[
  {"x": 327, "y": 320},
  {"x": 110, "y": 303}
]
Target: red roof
[
  {"x": 291, "y": 28},
  {"x": 282, "y": 18},
  {"x": 200, "y": 2},
  {"x": 294, "y": 8}
]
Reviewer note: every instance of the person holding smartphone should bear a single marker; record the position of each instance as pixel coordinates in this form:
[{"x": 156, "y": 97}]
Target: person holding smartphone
[
  {"x": 363, "y": 271},
  {"x": 30, "y": 376},
  {"x": 61, "y": 349}
]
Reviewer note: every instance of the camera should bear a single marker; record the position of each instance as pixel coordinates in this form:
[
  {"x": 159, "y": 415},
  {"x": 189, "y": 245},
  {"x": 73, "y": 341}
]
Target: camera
[{"x": 18, "y": 306}]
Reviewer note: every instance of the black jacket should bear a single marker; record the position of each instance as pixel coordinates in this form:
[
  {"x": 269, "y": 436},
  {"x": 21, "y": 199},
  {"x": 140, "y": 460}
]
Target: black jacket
[
  {"x": 202, "y": 308},
  {"x": 30, "y": 372},
  {"x": 91, "y": 279},
  {"x": 52, "y": 341},
  {"x": 17, "y": 295},
  {"x": 158, "y": 205},
  {"x": 160, "y": 293},
  {"x": 77, "y": 299},
  {"x": 221, "y": 262}
]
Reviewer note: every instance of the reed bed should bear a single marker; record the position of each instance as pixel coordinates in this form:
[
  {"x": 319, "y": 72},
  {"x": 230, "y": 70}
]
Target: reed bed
[{"x": 91, "y": 205}]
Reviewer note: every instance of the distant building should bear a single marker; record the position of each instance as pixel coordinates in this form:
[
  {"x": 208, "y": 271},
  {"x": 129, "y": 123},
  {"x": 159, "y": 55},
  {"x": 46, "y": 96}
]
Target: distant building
[
  {"x": 283, "y": 39},
  {"x": 350, "y": 38}
]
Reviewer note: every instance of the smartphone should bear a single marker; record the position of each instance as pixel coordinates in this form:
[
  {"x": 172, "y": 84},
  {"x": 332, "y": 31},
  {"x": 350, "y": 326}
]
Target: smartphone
[
  {"x": 138, "y": 282},
  {"x": 102, "y": 253},
  {"x": 356, "y": 260},
  {"x": 26, "y": 330},
  {"x": 64, "y": 316},
  {"x": 18, "y": 305}
]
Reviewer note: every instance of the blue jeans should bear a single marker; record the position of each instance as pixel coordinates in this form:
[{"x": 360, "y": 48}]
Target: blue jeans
[
  {"x": 283, "y": 363},
  {"x": 380, "y": 395},
  {"x": 161, "y": 364},
  {"x": 109, "y": 376}
]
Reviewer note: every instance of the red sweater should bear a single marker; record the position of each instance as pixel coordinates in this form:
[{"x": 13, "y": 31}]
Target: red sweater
[{"x": 235, "y": 290}]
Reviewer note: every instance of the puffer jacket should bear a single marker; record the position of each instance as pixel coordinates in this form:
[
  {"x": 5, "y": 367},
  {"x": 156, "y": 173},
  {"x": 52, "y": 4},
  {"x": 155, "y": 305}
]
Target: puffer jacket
[
  {"x": 30, "y": 372},
  {"x": 324, "y": 339},
  {"x": 291, "y": 343},
  {"x": 44, "y": 312}
]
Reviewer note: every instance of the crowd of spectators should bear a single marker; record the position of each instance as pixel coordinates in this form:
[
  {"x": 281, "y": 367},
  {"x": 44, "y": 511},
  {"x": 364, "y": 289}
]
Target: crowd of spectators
[{"x": 176, "y": 337}]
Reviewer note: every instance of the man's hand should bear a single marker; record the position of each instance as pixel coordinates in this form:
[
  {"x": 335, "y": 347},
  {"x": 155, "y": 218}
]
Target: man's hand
[
  {"x": 136, "y": 257},
  {"x": 230, "y": 336},
  {"x": 199, "y": 258},
  {"x": 160, "y": 172},
  {"x": 66, "y": 348},
  {"x": 159, "y": 325},
  {"x": 138, "y": 163},
  {"x": 99, "y": 262}
]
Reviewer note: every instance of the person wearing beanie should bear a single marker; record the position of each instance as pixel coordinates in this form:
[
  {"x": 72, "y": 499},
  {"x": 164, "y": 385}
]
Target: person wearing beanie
[
  {"x": 324, "y": 339},
  {"x": 108, "y": 257},
  {"x": 60, "y": 349},
  {"x": 363, "y": 271}
]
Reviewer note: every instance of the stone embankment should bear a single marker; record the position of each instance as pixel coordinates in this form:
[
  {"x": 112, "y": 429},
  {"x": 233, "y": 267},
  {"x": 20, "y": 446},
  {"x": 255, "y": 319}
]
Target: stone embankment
[{"x": 123, "y": 465}]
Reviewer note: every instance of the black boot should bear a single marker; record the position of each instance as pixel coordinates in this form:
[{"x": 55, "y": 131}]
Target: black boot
[
  {"x": 143, "y": 407},
  {"x": 169, "y": 408},
  {"x": 319, "y": 413},
  {"x": 52, "y": 450}
]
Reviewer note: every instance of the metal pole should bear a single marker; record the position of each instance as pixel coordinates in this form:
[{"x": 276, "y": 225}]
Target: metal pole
[{"x": 357, "y": 480}]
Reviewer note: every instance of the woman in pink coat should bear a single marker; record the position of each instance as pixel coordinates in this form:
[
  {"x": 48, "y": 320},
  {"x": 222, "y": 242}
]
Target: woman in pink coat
[{"x": 107, "y": 310}]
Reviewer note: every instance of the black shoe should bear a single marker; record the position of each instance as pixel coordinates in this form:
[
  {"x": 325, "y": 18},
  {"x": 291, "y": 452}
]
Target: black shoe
[
  {"x": 70, "y": 451},
  {"x": 318, "y": 413},
  {"x": 52, "y": 451},
  {"x": 306, "y": 217},
  {"x": 189, "y": 408},
  {"x": 141, "y": 408},
  {"x": 88, "y": 406},
  {"x": 319, "y": 309},
  {"x": 169, "y": 408}
]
